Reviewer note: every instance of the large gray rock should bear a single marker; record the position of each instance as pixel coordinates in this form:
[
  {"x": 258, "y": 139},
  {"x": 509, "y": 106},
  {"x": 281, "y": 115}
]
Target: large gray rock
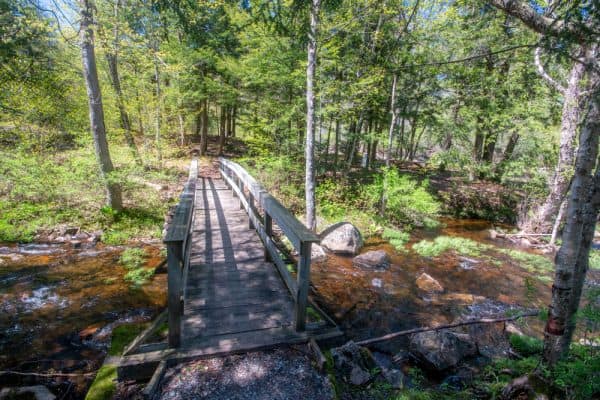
[
  {"x": 372, "y": 259},
  {"x": 440, "y": 350},
  {"x": 342, "y": 238},
  {"x": 317, "y": 253},
  {"x": 353, "y": 362}
]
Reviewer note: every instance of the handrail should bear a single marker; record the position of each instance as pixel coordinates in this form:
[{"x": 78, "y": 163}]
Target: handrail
[
  {"x": 301, "y": 238},
  {"x": 177, "y": 242}
]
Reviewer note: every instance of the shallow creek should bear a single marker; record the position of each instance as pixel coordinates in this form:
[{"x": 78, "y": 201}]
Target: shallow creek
[
  {"x": 58, "y": 306},
  {"x": 372, "y": 302}
]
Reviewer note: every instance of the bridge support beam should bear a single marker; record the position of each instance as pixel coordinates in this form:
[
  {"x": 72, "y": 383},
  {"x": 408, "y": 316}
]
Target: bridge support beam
[{"x": 303, "y": 282}]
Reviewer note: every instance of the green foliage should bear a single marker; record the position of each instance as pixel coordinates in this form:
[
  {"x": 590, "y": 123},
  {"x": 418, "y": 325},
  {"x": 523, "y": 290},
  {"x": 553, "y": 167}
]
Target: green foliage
[
  {"x": 441, "y": 244},
  {"x": 594, "y": 259},
  {"x": 529, "y": 261},
  {"x": 122, "y": 335},
  {"x": 406, "y": 201},
  {"x": 104, "y": 384},
  {"x": 526, "y": 345},
  {"x": 397, "y": 238},
  {"x": 134, "y": 259}
]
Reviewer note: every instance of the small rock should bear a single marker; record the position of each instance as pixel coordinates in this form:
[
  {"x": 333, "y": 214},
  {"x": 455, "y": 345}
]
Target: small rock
[
  {"x": 440, "y": 350},
  {"x": 358, "y": 376},
  {"x": 37, "y": 392},
  {"x": 71, "y": 231},
  {"x": 427, "y": 283},
  {"x": 394, "y": 377},
  {"x": 342, "y": 238},
  {"x": 372, "y": 259},
  {"x": 353, "y": 362},
  {"x": 377, "y": 282},
  {"x": 317, "y": 253},
  {"x": 81, "y": 236},
  {"x": 513, "y": 329},
  {"x": 493, "y": 234}
]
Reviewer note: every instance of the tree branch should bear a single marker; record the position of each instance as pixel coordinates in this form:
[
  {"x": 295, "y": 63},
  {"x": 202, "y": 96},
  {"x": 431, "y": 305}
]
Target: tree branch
[
  {"x": 437, "y": 328},
  {"x": 544, "y": 74},
  {"x": 541, "y": 23}
]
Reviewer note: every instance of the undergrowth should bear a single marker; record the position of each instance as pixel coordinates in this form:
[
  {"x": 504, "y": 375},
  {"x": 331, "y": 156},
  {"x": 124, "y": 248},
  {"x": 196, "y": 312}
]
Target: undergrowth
[{"x": 134, "y": 259}]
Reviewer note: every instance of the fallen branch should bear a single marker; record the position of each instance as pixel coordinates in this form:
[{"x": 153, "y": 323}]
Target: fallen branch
[
  {"x": 48, "y": 375},
  {"x": 437, "y": 328}
]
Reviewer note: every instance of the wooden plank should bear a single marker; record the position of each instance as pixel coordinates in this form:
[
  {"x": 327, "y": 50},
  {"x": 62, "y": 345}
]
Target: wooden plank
[
  {"x": 202, "y": 302},
  {"x": 227, "y": 324},
  {"x": 150, "y": 389},
  {"x": 319, "y": 357},
  {"x": 142, "y": 366},
  {"x": 133, "y": 346}
]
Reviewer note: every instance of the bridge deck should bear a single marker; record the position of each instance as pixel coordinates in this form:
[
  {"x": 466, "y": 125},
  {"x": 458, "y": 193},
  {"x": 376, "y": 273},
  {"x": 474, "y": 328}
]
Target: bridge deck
[{"x": 233, "y": 298}]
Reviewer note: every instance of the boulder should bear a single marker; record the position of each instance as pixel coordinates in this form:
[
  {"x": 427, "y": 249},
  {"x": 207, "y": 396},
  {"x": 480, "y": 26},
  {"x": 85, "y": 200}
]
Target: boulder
[
  {"x": 37, "y": 392},
  {"x": 427, "y": 283},
  {"x": 353, "y": 362},
  {"x": 440, "y": 350},
  {"x": 372, "y": 259},
  {"x": 342, "y": 238},
  {"x": 317, "y": 253}
]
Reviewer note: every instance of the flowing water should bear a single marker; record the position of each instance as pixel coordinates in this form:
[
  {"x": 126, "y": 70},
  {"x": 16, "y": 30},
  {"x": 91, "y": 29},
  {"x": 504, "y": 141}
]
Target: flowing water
[
  {"x": 371, "y": 302},
  {"x": 59, "y": 305}
]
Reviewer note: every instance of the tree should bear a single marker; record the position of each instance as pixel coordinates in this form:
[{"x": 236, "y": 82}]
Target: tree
[
  {"x": 96, "y": 110},
  {"x": 572, "y": 258},
  {"x": 309, "y": 151}
]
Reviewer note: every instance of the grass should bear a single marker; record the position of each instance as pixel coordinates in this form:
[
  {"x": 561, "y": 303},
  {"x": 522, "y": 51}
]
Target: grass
[
  {"x": 103, "y": 387},
  {"x": 594, "y": 259},
  {"x": 39, "y": 191},
  {"x": 441, "y": 244},
  {"x": 122, "y": 335},
  {"x": 397, "y": 238},
  {"x": 531, "y": 262},
  {"x": 134, "y": 259}
]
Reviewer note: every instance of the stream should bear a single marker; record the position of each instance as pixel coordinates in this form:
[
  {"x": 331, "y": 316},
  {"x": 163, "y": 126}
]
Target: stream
[{"x": 59, "y": 304}]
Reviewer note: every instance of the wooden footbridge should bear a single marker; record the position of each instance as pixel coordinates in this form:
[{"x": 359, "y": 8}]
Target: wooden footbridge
[{"x": 230, "y": 289}]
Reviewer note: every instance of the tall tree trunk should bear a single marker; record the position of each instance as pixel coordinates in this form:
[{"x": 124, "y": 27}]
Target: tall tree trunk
[
  {"x": 543, "y": 217},
  {"x": 233, "y": 117},
  {"x": 489, "y": 147},
  {"x": 222, "y": 129},
  {"x": 328, "y": 142},
  {"x": 96, "y": 110},
  {"x": 510, "y": 146},
  {"x": 204, "y": 131},
  {"x": 157, "y": 137},
  {"x": 336, "y": 147},
  {"x": 310, "y": 181},
  {"x": 393, "y": 111},
  {"x": 113, "y": 71},
  {"x": 181, "y": 129},
  {"x": 572, "y": 259}
]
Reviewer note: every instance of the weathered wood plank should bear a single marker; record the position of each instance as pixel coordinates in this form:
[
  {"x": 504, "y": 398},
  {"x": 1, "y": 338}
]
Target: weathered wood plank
[
  {"x": 150, "y": 389},
  {"x": 133, "y": 346}
]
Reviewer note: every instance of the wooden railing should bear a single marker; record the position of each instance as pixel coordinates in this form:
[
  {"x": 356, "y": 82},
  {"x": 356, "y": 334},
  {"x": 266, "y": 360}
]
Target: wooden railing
[
  {"x": 176, "y": 240},
  {"x": 252, "y": 197}
]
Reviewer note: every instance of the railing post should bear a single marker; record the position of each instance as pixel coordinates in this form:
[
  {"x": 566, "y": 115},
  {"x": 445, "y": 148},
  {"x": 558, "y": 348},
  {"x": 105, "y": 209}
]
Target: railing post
[
  {"x": 174, "y": 270},
  {"x": 268, "y": 233},
  {"x": 250, "y": 209},
  {"x": 303, "y": 280},
  {"x": 241, "y": 186}
]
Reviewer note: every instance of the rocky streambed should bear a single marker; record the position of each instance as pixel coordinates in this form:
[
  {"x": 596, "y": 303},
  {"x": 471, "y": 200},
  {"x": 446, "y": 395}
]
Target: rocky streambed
[{"x": 59, "y": 303}]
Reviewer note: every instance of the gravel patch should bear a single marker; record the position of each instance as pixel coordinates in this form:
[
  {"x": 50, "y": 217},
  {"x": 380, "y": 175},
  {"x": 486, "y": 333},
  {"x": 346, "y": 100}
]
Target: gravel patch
[{"x": 279, "y": 374}]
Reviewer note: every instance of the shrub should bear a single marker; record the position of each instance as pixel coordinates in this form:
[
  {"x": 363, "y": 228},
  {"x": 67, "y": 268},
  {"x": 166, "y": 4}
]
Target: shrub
[{"x": 407, "y": 201}]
